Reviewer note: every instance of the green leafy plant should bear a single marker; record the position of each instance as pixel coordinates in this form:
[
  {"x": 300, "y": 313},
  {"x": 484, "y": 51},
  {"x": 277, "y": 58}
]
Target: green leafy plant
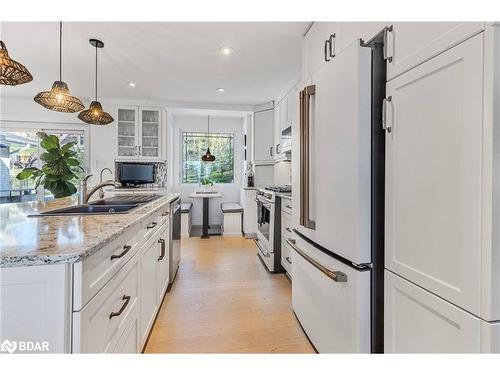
[
  {"x": 207, "y": 182},
  {"x": 60, "y": 167}
]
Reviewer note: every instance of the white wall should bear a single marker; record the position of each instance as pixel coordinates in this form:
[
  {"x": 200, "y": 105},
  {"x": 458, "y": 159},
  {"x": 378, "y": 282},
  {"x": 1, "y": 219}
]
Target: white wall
[{"x": 218, "y": 123}]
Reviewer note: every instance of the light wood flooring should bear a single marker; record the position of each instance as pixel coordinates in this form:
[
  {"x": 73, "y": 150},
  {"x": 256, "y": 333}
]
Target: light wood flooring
[{"x": 224, "y": 301}]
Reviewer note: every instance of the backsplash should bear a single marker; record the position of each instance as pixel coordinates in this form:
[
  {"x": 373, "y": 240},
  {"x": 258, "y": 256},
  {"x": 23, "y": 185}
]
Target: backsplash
[{"x": 160, "y": 170}]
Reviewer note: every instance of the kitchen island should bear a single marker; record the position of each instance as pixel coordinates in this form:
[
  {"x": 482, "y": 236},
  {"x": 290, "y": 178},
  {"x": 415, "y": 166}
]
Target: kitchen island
[{"x": 94, "y": 282}]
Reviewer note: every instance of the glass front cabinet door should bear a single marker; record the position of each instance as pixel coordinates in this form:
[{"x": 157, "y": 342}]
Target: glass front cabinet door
[
  {"x": 150, "y": 134},
  {"x": 139, "y": 133}
]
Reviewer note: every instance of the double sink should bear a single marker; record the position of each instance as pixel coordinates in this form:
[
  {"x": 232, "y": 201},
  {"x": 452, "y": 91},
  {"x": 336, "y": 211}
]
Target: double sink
[{"x": 114, "y": 205}]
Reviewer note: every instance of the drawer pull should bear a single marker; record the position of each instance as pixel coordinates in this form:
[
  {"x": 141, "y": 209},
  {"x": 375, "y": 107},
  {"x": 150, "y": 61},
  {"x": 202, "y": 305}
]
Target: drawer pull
[
  {"x": 164, "y": 213},
  {"x": 288, "y": 206},
  {"x": 288, "y": 230},
  {"x": 336, "y": 276},
  {"x": 152, "y": 225},
  {"x": 126, "y": 249},
  {"x": 124, "y": 306},
  {"x": 162, "y": 242},
  {"x": 288, "y": 260}
]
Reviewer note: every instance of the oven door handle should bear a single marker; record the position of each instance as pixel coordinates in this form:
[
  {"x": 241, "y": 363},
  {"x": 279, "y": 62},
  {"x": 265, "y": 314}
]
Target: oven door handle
[
  {"x": 266, "y": 205},
  {"x": 264, "y": 254}
]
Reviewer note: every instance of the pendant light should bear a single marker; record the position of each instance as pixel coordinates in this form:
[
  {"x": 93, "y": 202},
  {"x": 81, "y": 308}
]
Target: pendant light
[
  {"x": 208, "y": 157},
  {"x": 95, "y": 115},
  {"x": 11, "y": 72},
  {"x": 59, "y": 98}
]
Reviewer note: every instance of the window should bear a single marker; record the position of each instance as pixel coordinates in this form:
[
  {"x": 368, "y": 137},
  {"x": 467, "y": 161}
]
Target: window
[
  {"x": 20, "y": 148},
  {"x": 194, "y": 170}
]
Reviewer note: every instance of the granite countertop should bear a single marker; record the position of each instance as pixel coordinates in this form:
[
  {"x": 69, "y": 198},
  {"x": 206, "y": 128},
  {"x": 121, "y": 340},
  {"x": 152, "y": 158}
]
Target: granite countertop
[{"x": 29, "y": 241}]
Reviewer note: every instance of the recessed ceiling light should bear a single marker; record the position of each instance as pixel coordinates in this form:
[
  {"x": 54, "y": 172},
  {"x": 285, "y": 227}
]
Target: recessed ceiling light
[
  {"x": 226, "y": 51},
  {"x": 131, "y": 84},
  {"x": 221, "y": 89}
]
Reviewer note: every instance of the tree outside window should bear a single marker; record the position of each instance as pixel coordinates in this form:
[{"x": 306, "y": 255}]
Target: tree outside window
[{"x": 194, "y": 145}]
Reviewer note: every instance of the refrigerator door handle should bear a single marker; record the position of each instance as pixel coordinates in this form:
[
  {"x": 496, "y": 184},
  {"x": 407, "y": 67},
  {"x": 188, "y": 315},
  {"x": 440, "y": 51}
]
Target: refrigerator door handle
[
  {"x": 337, "y": 276},
  {"x": 305, "y": 96}
]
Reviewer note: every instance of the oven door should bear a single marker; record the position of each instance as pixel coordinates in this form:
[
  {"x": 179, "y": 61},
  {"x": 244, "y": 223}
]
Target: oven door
[{"x": 265, "y": 223}]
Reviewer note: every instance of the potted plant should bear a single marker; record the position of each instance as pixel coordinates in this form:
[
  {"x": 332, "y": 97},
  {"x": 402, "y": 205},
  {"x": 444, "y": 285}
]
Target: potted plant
[
  {"x": 60, "y": 167},
  {"x": 207, "y": 184}
]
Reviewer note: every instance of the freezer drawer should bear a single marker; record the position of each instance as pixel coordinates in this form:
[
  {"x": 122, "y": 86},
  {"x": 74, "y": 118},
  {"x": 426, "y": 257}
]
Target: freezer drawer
[
  {"x": 335, "y": 315},
  {"x": 417, "y": 321}
]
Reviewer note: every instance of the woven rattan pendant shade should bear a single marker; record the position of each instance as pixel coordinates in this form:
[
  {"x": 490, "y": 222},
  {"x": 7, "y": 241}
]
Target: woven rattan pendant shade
[
  {"x": 11, "y": 72},
  {"x": 95, "y": 115},
  {"x": 59, "y": 98}
]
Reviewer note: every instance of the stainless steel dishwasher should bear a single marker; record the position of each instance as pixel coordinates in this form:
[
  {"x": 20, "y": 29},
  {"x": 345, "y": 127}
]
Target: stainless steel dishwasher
[{"x": 175, "y": 235}]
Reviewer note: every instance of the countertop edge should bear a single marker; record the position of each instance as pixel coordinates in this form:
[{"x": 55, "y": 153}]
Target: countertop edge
[{"x": 39, "y": 260}]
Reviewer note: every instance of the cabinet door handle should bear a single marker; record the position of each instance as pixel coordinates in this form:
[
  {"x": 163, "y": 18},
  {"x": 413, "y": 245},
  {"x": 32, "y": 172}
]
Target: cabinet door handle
[
  {"x": 124, "y": 306},
  {"x": 288, "y": 229},
  {"x": 331, "y": 45},
  {"x": 327, "y": 58},
  {"x": 288, "y": 206},
  {"x": 126, "y": 249},
  {"x": 162, "y": 254},
  {"x": 164, "y": 213},
  {"x": 152, "y": 225},
  {"x": 288, "y": 260},
  {"x": 388, "y": 44},
  {"x": 386, "y": 125},
  {"x": 271, "y": 151},
  {"x": 278, "y": 148},
  {"x": 135, "y": 150},
  {"x": 140, "y": 151}
]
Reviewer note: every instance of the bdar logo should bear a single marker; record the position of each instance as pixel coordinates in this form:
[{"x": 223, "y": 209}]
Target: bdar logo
[{"x": 8, "y": 346}]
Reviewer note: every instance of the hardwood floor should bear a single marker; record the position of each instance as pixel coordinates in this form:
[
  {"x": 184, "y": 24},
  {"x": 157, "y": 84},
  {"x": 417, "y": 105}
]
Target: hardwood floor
[{"x": 224, "y": 301}]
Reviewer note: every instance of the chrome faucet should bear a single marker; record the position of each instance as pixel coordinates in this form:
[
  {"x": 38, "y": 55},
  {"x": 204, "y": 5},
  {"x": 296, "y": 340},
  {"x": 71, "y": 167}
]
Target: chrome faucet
[
  {"x": 101, "y": 190},
  {"x": 84, "y": 196}
]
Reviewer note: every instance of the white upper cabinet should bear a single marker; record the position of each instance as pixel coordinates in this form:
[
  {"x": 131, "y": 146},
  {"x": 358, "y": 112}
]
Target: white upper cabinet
[
  {"x": 348, "y": 32},
  {"x": 149, "y": 147},
  {"x": 317, "y": 51},
  {"x": 411, "y": 43},
  {"x": 139, "y": 133},
  {"x": 128, "y": 126},
  {"x": 433, "y": 174},
  {"x": 263, "y": 145}
]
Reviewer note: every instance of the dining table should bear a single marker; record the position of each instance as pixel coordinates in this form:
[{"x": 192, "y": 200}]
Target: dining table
[{"x": 205, "y": 195}]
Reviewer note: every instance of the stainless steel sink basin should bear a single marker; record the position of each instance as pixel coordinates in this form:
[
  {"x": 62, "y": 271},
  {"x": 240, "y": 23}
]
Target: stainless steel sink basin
[
  {"x": 125, "y": 200},
  {"x": 109, "y": 209}
]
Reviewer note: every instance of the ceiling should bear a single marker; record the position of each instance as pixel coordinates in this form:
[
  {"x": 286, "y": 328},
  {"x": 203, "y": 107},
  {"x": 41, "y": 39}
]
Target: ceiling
[{"x": 170, "y": 61}]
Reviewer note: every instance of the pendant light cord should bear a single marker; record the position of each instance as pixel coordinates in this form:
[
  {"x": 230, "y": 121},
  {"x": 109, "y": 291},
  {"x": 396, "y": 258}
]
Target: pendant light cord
[
  {"x": 96, "y": 72},
  {"x": 60, "y": 50}
]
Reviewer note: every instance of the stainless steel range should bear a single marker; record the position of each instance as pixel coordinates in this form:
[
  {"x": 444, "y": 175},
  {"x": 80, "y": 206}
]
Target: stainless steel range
[{"x": 269, "y": 226}]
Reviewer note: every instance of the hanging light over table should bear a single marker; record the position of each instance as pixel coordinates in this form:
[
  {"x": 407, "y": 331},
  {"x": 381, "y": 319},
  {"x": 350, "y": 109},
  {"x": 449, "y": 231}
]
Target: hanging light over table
[
  {"x": 11, "y": 72},
  {"x": 59, "y": 98},
  {"x": 208, "y": 157},
  {"x": 95, "y": 115}
]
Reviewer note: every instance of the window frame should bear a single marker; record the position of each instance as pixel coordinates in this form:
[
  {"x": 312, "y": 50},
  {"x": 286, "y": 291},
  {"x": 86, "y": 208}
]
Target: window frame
[
  {"x": 50, "y": 128},
  {"x": 181, "y": 155}
]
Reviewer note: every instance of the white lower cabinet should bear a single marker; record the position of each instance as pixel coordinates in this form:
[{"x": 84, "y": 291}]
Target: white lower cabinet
[
  {"x": 417, "y": 321},
  {"x": 101, "y": 324},
  {"x": 162, "y": 264},
  {"x": 149, "y": 259}
]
